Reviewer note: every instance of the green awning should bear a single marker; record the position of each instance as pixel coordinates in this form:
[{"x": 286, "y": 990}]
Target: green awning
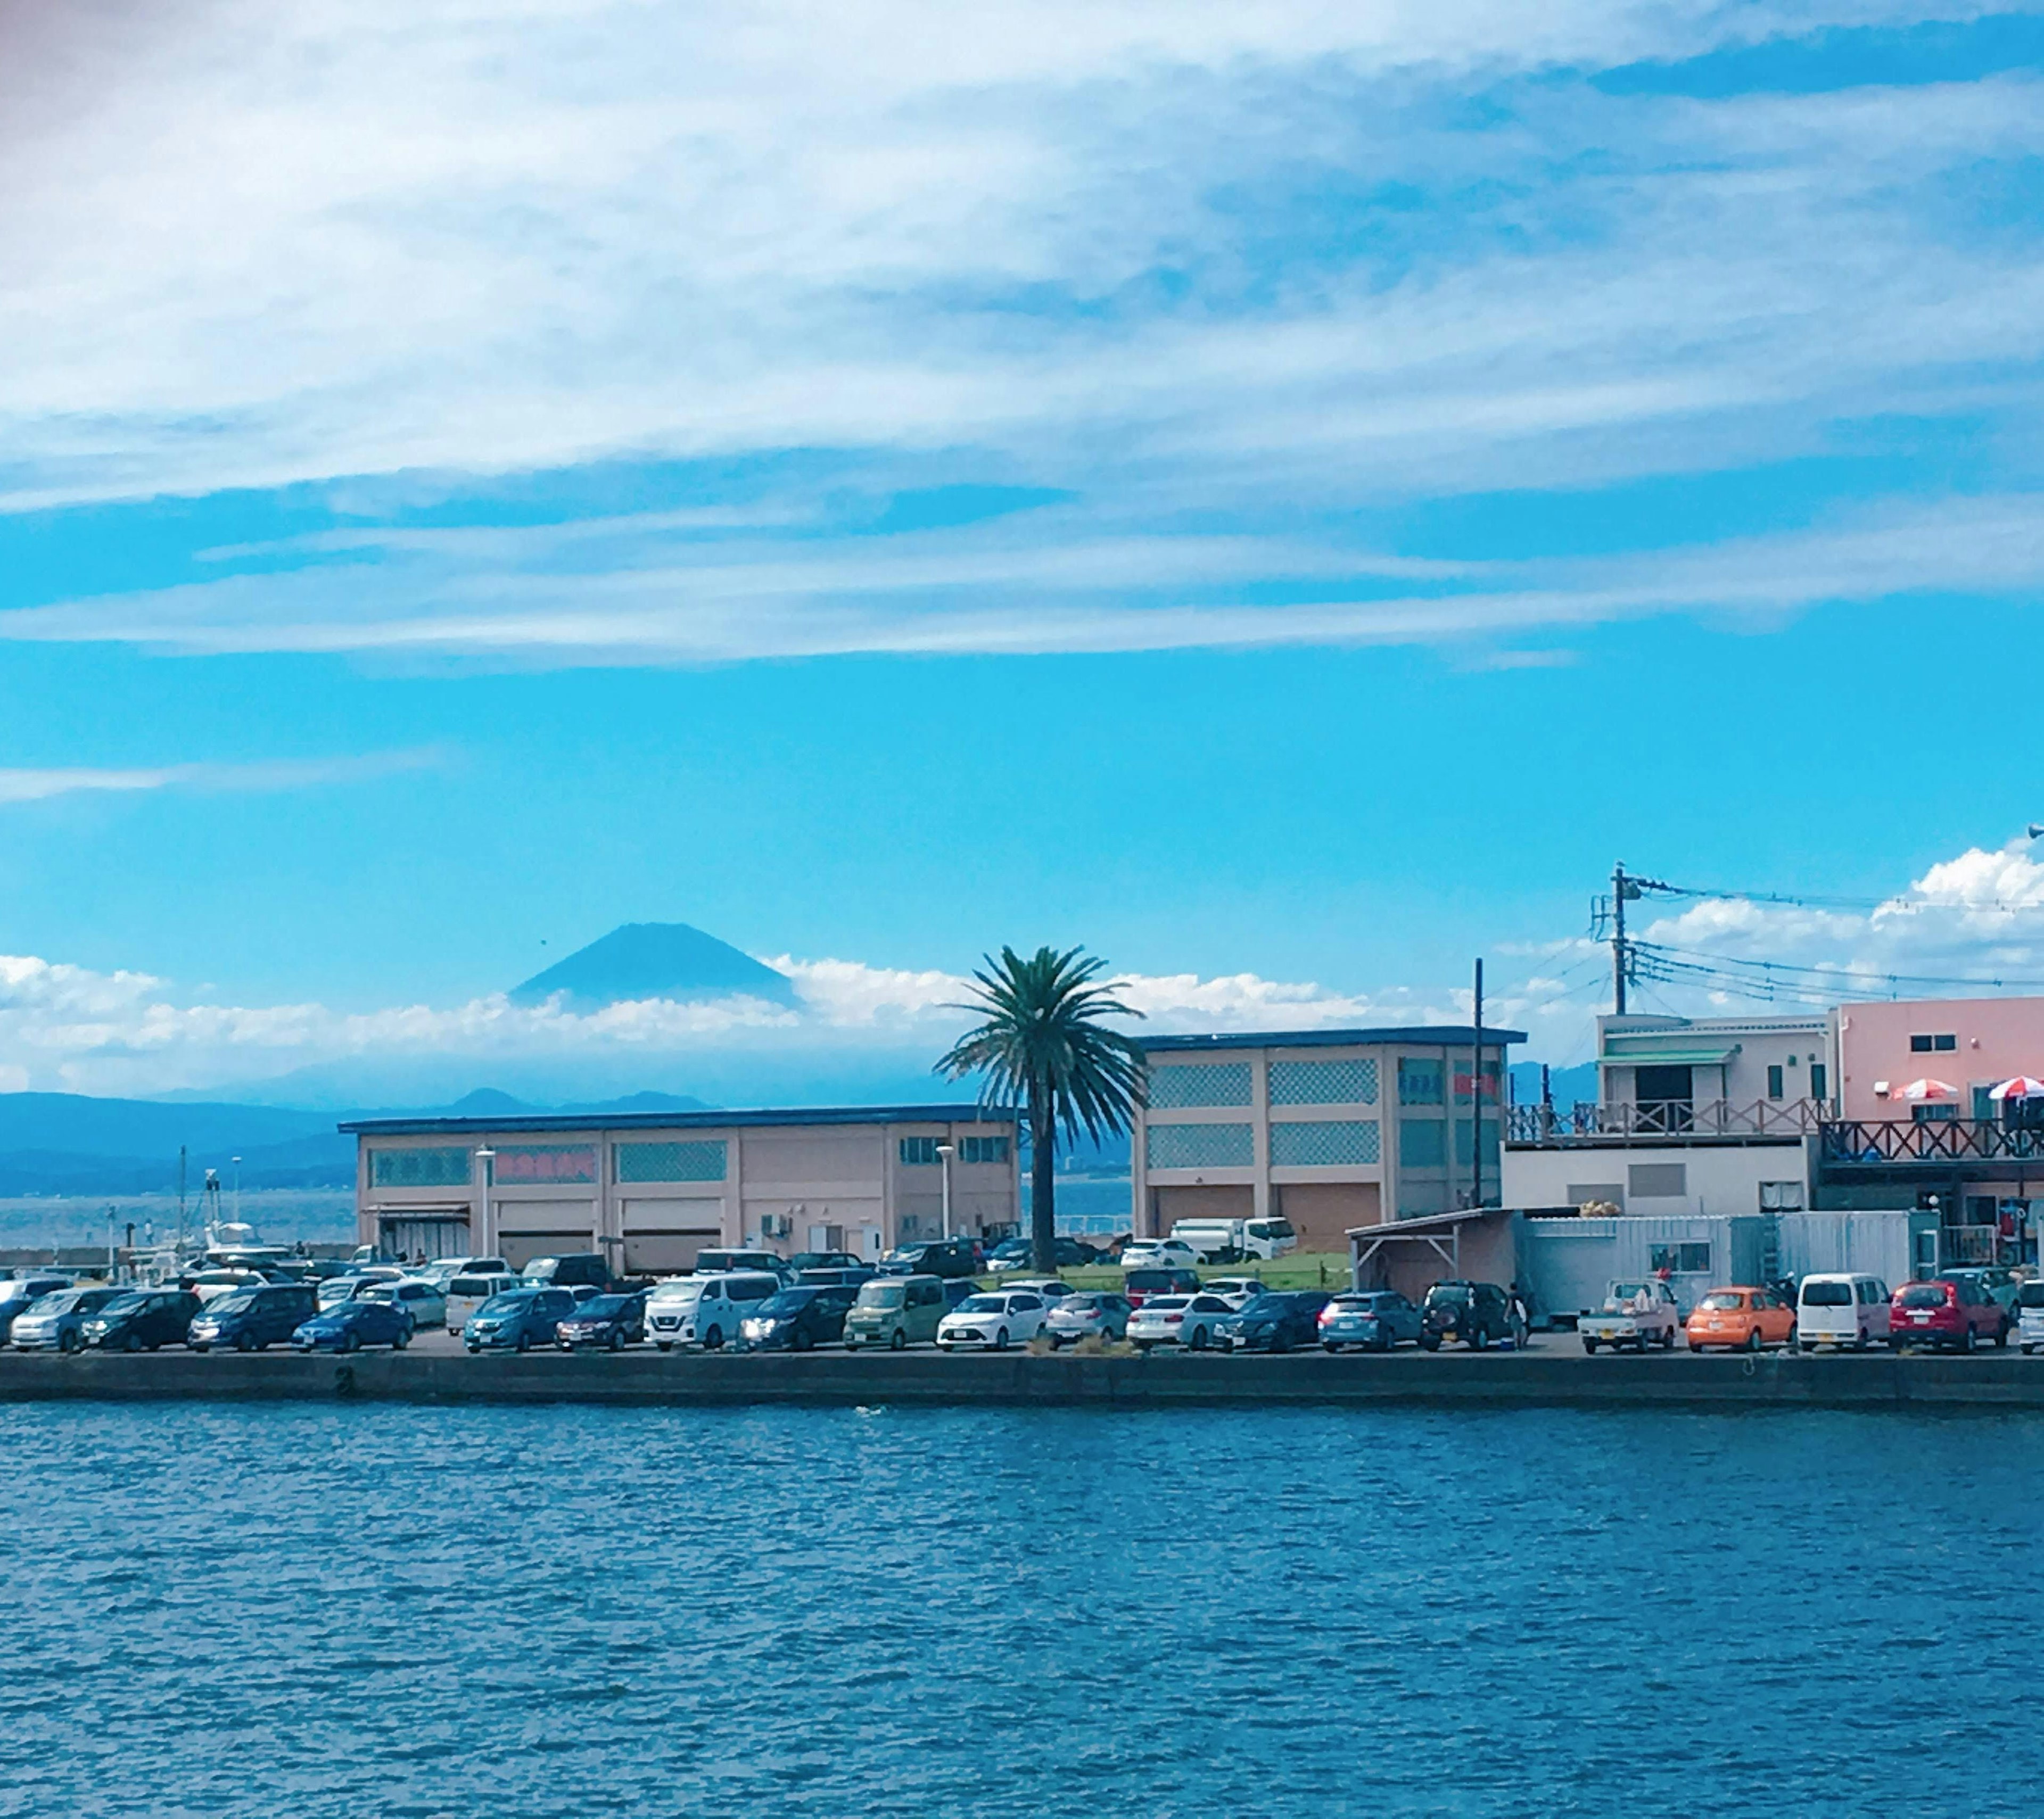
[{"x": 1667, "y": 1057}]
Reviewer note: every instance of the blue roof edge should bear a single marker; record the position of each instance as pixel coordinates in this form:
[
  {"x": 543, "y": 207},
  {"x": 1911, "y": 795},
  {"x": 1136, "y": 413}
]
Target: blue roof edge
[
  {"x": 1449, "y": 1035},
  {"x": 767, "y": 1116}
]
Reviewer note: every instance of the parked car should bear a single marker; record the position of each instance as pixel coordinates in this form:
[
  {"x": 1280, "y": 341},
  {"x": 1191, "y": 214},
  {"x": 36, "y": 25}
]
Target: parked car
[
  {"x": 1374, "y": 1318},
  {"x": 210, "y": 1284},
  {"x": 56, "y": 1321},
  {"x": 1087, "y": 1314},
  {"x": 1019, "y": 1254},
  {"x": 1139, "y": 1285},
  {"x": 610, "y": 1321},
  {"x": 1477, "y": 1313},
  {"x": 1841, "y": 1310},
  {"x": 799, "y": 1319},
  {"x": 752, "y": 1262},
  {"x": 468, "y": 1292},
  {"x": 335, "y": 1289},
  {"x": 1193, "y": 1321},
  {"x": 958, "y": 1288},
  {"x": 1994, "y": 1280},
  {"x": 848, "y": 1278},
  {"x": 1226, "y": 1240},
  {"x": 804, "y": 1260},
  {"x": 19, "y": 1293},
  {"x": 1274, "y": 1321},
  {"x": 1010, "y": 1253},
  {"x": 1635, "y": 1314},
  {"x": 1158, "y": 1253},
  {"x": 250, "y": 1318},
  {"x": 425, "y": 1304},
  {"x": 706, "y": 1310},
  {"x": 1953, "y": 1313},
  {"x": 354, "y": 1324},
  {"x": 995, "y": 1320},
  {"x": 572, "y": 1267},
  {"x": 895, "y": 1311},
  {"x": 143, "y": 1319},
  {"x": 938, "y": 1256},
  {"x": 2029, "y": 1313},
  {"x": 515, "y": 1321},
  {"x": 1049, "y": 1286},
  {"x": 1236, "y": 1291},
  {"x": 1740, "y": 1319}
]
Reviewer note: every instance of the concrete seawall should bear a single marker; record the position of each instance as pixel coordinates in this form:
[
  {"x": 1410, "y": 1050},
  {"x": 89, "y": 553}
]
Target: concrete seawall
[{"x": 1490, "y": 1380}]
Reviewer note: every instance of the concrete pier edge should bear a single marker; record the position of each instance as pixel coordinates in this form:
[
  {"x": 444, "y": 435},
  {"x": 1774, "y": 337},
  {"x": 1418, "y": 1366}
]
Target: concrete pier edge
[{"x": 925, "y": 1380}]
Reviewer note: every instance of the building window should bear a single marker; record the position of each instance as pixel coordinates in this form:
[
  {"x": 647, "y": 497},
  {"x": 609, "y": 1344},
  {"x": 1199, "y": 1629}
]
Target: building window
[
  {"x": 527, "y": 1165},
  {"x": 982, "y": 1149},
  {"x": 1323, "y": 1083},
  {"x": 447, "y": 1168},
  {"x": 1490, "y": 1149},
  {"x": 1180, "y": 1086},
  {"x": 1200, "y": 1146},
  {"x": 1419, "y": 1081},
  {"x": 1335, "y": 1143},
  {"x": 1820, "y": 1080},
  {"x": 1782, "y": 1196},
  {"x": 702, "y": 1160},
  {"x": 1933, "y": 1114},
  {"x": 920, "y": 1152},
  {"x": 1657, "y": 1181},
  {"x": 1422, "y": 1142},
  {"x": 1679, "y": 1259},
  {"x": 1933, "y": 1044},
  {"x": 1774, "y": 1082}
]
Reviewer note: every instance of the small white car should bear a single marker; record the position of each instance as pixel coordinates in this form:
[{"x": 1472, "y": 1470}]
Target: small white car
[
  {"x": 1049, "y": 1286},
  {"x": 1237, "y": 1291},
  {"x": 1159, "y": 1253},
  {"x": 208, "y": 1285},
  {"x": 991, "y": 1321},
  {"x": 1192, "y": 1321},
  {"x": 424, "y": 1301},
  {"x": 2029, "y": 1316}
]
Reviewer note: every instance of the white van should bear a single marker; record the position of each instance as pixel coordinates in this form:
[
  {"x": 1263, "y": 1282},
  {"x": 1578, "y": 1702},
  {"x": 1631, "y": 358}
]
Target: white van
[
  {"x": 468, "y": 1290},
  {"x": 2030, "y": 1315},
  {"x": 1840, "y": 1310},
  {"x": 1225, "y": 1241},
  {"x": 705, "y": 1310}
]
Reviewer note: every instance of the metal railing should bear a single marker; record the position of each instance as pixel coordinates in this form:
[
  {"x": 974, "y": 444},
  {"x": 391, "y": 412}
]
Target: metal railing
[
  {"x": 1939, "y": 1140},
  {"x": 1640, "y": 1121}
]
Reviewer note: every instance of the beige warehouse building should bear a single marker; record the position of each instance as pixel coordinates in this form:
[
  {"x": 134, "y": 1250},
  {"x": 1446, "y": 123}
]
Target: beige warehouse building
[
  {"x": 1330, "y": 1128},
  {"x": 649, "y": 1190}
]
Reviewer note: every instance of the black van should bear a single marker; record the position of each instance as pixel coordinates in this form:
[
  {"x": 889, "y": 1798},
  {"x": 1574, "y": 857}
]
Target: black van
[
  {"x": 249, "y": 1318},
  {"x": 575, "y": 1269},
  {"x": 941, "y": 1256}
]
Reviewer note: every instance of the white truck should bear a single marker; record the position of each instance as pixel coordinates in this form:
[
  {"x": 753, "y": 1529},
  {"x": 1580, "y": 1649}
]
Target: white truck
[
  {"x": 1635, "y": 1314},
  {"x": 1231, "y": 1241}
]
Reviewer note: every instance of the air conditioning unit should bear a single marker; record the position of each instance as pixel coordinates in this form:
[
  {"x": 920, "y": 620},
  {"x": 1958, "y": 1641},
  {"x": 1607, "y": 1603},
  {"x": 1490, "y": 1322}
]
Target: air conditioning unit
[{"x": 776, "y": 1225}]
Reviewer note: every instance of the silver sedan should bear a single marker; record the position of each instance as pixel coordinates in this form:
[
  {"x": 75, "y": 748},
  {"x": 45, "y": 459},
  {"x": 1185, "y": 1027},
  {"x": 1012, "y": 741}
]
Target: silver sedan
[{"x": 1088, "y": 1315}]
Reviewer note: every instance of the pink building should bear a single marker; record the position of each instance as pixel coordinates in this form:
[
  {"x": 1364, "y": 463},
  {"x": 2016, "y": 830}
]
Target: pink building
[{"x": 1970, "y": 1044}]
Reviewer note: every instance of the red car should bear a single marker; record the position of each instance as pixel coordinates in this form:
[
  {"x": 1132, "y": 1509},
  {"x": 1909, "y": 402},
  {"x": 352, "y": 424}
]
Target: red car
[
  {"x": 1954, "y": 1316},
  {"x": 1140, "y": 1284}
]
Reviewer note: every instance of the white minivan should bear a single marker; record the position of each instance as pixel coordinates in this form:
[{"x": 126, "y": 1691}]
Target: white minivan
[
  {"x": 1841, "y": 1310},
  {"x": 705, "y": 1310},
  {"x": 2030, "y": 1315}
]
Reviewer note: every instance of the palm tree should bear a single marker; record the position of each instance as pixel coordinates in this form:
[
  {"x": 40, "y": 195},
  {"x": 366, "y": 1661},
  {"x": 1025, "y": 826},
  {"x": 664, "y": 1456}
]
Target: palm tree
[{"x": 1043, "y": 1047}]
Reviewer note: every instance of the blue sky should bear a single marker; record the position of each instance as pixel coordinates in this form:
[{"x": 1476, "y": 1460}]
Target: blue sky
[{"x": 1282, "y": 499}]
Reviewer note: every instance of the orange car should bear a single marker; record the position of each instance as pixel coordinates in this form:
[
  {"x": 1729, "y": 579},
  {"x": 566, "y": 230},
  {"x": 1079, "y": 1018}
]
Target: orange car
[{"x": 1743, "y": 1318}]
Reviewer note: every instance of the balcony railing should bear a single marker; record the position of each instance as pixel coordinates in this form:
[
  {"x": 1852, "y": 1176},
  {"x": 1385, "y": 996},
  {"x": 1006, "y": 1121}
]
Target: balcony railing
[
  {"x": 1940, "y": 1140},
  {"x": 1652, "y": 1120}
]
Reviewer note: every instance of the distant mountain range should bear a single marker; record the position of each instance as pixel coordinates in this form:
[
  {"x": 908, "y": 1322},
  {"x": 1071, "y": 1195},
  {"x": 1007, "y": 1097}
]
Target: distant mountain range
[
  {"x": 64, "y": 1143},
  {"x": 643, "y": 960}
]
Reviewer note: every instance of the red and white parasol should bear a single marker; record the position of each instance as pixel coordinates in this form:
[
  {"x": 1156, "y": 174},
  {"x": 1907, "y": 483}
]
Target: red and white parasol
[
  {"x": 2024, "y": 1086},
  {"x": 1918, "y": 1091}
]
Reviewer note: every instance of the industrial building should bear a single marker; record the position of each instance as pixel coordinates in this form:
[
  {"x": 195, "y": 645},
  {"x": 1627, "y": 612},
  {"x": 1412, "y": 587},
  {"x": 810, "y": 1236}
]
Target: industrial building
[
  {"x": 649, "y": 1190},
  {"x": 1328, "y": 1129}
]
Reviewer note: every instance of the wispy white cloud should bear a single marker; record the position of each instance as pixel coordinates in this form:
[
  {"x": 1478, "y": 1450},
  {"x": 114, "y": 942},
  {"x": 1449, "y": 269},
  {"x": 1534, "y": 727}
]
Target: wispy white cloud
[{"x": 20, "y": 783}]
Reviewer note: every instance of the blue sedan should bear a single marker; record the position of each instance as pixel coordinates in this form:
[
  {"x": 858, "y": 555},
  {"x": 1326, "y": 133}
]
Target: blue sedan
[{"x": 354, "y": 1324}]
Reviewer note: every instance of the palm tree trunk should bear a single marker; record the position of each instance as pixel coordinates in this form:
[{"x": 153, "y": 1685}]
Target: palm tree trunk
[{"x": 1043, "y": 1189}]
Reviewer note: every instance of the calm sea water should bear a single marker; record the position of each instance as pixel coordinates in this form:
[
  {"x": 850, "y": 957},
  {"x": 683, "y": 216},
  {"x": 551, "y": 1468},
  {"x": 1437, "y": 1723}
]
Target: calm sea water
[{"x": 298, "y": 1612}]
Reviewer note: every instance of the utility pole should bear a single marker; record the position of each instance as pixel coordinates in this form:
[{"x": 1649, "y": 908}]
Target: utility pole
[
  {"x": 1618, "y": 938},
  {"x": 1476, "y": 1099}
]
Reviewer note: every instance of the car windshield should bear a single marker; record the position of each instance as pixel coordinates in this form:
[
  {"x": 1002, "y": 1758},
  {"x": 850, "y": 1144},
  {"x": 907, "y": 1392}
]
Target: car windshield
[
  {"x": 471, "y": 1285},
  {"x": 1722, "y": 1301},
  {"x": 983, "y": 1304},
  {"x": 680, "y": 1292},
  {"x": 1444, "y": 1293},
  {"x": 1923, "y": 1295},
  {"x": 882, "y": 1295},
  {"x": 1160, "y": 1303},
  {"x": 788, "y": 1301},
  {"x": 239, "y": 1302},
  {"x": 1149, "y": 1279},
  {"x": 1355, "y": 1304},
  {"x": 124, "y": 1304},
  {"x": 600, "y": 1308},
  {"x": 1836, "y": 1295},
  {"x": 1093, "y": 1304},
  {"x": 510, "y": 1303}
]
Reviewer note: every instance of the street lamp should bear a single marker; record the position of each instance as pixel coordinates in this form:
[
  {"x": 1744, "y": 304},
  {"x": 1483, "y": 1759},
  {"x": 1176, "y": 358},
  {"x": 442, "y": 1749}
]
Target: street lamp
[
  {"x": 946, "y": 1150},
  {"x": 486, "y": 1156}
]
